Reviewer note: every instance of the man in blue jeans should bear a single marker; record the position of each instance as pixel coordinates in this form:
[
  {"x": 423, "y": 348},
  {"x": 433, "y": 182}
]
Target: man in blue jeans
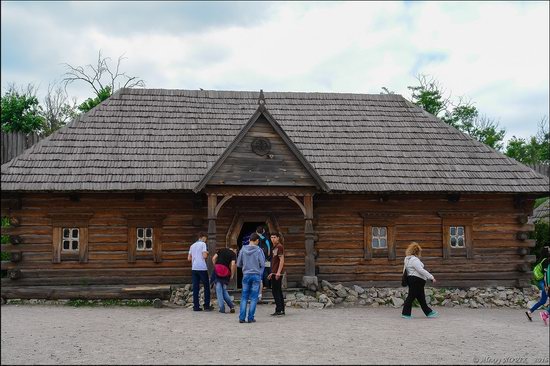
[
  {"x": 252, "y": 260},
  {"x": 199, "y": 271}
]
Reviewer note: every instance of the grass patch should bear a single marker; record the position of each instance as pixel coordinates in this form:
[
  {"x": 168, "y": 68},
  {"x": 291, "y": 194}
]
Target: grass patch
[
  {"x": 5, "y": 256},
  {"x": 540, "y": 201},
  {"x": 108, "y": 302}
]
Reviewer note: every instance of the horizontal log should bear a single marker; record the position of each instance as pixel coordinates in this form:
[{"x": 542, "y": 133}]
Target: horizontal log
[
  {"x": 103, "y": 280},
  {"x": 86, "y": 292}
]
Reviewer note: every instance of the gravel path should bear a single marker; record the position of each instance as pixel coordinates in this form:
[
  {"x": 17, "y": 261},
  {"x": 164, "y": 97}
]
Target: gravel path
[{"x": 42, "y": 334}]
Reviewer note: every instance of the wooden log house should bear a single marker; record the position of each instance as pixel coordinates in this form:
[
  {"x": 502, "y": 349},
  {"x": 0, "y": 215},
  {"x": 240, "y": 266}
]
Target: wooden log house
[{"x": 109, "y": 205}]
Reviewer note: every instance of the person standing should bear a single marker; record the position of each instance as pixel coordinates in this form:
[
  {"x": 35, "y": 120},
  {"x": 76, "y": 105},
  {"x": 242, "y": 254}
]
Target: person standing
[
  {"x": 199, "y": 271},
  {"x": 224, "y": 270},
  {"x": 252, "y": 260},
  {"x": 276, "y": 275},
  {"x": 416, "y": 280},
  {"x": 538, "y": 275},
  {"x": 265, "y": 246}
]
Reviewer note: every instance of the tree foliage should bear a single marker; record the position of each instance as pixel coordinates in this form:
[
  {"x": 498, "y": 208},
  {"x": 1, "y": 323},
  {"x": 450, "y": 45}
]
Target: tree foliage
[
  {"x": 534, "y": 150},
  {"x": 103, "y": 77},
  {"x": 20, "y": 110},
  {"x": 57, "y": 109},
  {"x": 464, "y": 116}
]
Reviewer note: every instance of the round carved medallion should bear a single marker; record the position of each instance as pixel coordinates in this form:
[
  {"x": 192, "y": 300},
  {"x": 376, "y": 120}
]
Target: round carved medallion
[{"x": 261, "y": 146}]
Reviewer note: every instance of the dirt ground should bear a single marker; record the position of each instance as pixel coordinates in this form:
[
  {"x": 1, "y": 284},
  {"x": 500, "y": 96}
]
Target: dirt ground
[{"x": 42, "y": 334}]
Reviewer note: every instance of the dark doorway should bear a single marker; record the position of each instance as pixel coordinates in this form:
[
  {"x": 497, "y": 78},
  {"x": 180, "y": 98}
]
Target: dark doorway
[{"x": 247, "y": 229}]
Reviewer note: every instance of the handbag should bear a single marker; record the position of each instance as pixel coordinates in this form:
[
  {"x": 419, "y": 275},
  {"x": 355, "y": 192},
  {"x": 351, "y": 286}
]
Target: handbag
[
  {"x": 404, "y": 278},
  {"x": 221, "y": 270}
]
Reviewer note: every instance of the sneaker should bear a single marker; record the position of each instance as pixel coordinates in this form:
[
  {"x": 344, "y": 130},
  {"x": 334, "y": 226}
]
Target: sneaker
[
  {"x": 433, "y": 314},
  {"x": 222, "y": 311},
  {"x": 528, "y": 316},
  {"x": 199, "y": 309},
  {"x": 232, "y": 310},
  {"x": 241, "y": 321},
  {"x": 260, "y": 297},
  {"x": 278, "y": 313},
  {"x": 406, "y": 316},
  {"x": 208, "y": 308},
  {"x": 252, "y": 321}
]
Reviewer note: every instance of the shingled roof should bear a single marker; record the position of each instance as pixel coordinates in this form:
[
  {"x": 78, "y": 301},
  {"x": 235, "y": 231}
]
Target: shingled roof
[{"x": 156, "y": 139}]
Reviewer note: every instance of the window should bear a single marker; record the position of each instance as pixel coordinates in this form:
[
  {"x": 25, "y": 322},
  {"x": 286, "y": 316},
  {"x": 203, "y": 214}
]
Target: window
[
  {"x": 379, "y": 237},
  {"x": 70, "y": 236},
  {"x": 379, "y": 234},
  {"x": 70, "y": 239},
  {"x": 144, "y": 238},
  {"x": 457, "y": 236}
]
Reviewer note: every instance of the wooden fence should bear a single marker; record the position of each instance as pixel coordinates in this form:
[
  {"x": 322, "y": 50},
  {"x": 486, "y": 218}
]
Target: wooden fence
[
  {"x": 14, "y": 143},
  {"x": 543, "y": 169}
]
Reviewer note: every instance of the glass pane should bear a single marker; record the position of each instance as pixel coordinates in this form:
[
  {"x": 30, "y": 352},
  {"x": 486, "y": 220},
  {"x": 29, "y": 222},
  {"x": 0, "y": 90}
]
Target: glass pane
[
  {"x": 140, "y": 233},
  {"x": 75, "y": 233},
  {"x": 460, "y": 230},
  {"x": 453, "y": 230},
  {"x": 453, "y": 241},
  {"x": 460, "y": 241},
  {"x": 149, "y": 232},
  {"x": 140, "y": 244},
  {"x": 375, "y": 231},
  {"x": 383, "y": 243},
  {"x": 75, "y": 245},
  {"x": 66, "y": 233},
  {"x": 148, "y": 244},
  {"x": 375, "y": 243},
  {"x": 383, "y": 231},
  {"x": 66, "y": 245}
]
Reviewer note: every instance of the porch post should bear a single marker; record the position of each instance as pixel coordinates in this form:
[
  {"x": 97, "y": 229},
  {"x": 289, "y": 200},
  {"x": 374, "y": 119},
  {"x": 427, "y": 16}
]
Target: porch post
[
  {"x": 309, "y": 280},
  {"x": 212, "y": 203}
]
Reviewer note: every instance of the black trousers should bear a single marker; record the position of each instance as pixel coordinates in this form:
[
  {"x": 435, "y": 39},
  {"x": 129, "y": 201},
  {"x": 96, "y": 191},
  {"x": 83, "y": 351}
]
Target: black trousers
[
  {"x": 277, "y": 290},
  {"x": 416, "y": 291}
]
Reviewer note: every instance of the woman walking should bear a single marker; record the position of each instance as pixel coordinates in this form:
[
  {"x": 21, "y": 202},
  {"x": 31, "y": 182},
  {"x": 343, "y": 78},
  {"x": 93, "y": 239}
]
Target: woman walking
[
  {"x": 538, "y": 275},
  {"x": 416, "y": 280}
]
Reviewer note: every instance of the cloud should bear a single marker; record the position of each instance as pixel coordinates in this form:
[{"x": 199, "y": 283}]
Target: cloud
[{"x": 494, "y": 53}]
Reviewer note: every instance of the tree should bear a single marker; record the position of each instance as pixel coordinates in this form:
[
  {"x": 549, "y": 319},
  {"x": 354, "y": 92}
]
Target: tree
[
  {"x": 463, "y": 115},
  {"x": 20, "y": 110},
  {"x": 534, "y": 150},
  {"x": 58, "y": 110},
  {"x": 103, "y": 78}
]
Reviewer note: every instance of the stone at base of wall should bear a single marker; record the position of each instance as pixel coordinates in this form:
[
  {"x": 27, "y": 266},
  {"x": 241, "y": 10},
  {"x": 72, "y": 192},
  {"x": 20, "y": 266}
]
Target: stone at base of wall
[{"x": 329, "y": 295}]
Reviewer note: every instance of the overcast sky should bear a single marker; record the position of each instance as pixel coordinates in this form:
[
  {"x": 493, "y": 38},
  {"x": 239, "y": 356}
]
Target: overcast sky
[{"x": 494, "y": 53}]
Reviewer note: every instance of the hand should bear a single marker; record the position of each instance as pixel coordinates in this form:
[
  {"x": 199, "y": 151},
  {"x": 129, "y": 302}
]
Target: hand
[
  {"x": 277, "y": 276},
  {"x": 433, "y": 280},
  {"x": 269, "y": 276}
]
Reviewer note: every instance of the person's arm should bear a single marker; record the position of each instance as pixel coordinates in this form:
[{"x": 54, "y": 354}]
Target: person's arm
[
  {"x": 214, "y": 258},
  {"x": 189, "y": 257},
  {"x": 204, "y": 251},
  {"x": 262, "y": 261},
  {"x": 233, "y": 269},
  {"x": 418, "y": 267},
  {"x": 281, "y": 265},
  {"x": 240, "y": 259}
]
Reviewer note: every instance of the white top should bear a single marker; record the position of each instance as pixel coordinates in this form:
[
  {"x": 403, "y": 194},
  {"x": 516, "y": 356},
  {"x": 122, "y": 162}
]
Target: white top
[
  {"x": 198, "y": 263},
  {"x": 416, "y": 268}
]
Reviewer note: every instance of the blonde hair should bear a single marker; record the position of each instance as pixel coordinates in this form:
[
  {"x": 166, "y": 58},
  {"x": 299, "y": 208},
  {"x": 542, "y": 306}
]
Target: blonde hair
[{"x": 413, "y": 249}]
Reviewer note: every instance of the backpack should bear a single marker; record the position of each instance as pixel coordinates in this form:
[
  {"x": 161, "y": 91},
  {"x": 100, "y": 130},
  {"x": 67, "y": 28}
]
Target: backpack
[
  {"x": 265, "y": 246},
  {"x": 538, "y": 274}
]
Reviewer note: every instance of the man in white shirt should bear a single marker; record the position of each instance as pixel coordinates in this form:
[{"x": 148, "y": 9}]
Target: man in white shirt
[{"x": 198, "y": 252}]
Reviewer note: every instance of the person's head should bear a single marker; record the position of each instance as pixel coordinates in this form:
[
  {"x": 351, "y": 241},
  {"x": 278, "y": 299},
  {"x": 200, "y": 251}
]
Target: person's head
[
  {"x": 414, "y": 249},
  {"x": 202, "y": 236},
  {"x": 275, "y": 238},
  {"x": 254, "y": 239},
  {"x": 260, "y": 229}
]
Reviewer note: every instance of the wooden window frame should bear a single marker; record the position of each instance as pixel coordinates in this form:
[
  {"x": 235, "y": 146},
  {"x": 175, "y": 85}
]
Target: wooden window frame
[
  {"x": 145, "y": 237},
  {"x": 378, "y": 219},
  {"x": 76, "y": 220},
  {"x": 465, "y": 219},
  {"x": 144, "y": 221}
]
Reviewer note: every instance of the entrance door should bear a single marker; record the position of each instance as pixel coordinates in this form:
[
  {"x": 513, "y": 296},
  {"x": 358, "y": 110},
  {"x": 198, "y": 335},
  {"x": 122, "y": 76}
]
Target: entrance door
[{"x": 247, "y": 229}]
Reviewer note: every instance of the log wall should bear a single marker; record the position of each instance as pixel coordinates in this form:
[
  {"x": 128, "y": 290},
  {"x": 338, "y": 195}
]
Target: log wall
[{"x": 499, "y": 256}]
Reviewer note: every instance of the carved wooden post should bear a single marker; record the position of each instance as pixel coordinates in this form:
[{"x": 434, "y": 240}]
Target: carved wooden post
[
  {"x": 309, "y": 280},
  {"x": 212, "y": 203}
]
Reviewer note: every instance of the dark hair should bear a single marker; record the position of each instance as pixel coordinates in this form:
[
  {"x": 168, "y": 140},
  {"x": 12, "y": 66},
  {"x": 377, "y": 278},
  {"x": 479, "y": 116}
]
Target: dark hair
[
  {"x": 254, "y": 237},
  {"x": 201, "y": 234},
  {"x": 260, "y": 229},
  {"x": 545, "y": 252},
  {"x": 276, "y": 234}
]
